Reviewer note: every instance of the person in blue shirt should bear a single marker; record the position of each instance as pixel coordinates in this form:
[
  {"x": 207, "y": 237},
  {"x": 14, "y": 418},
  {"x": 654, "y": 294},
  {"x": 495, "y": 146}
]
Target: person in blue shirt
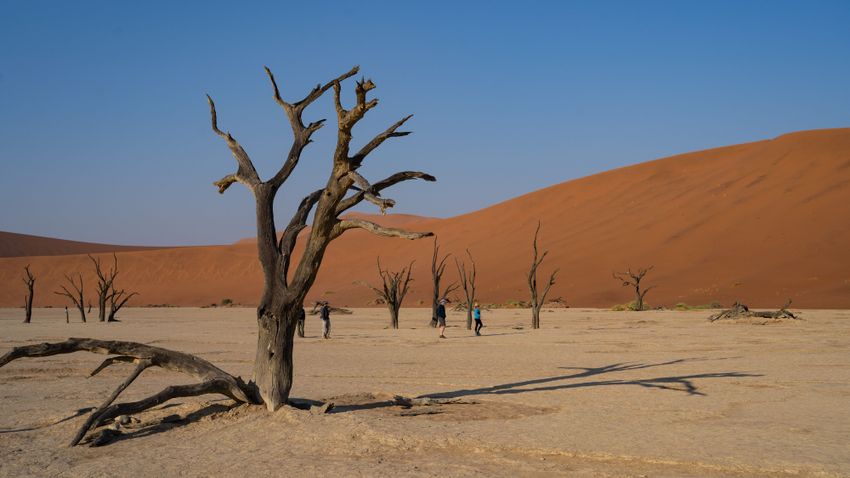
[{"x": 476, "y": 314}]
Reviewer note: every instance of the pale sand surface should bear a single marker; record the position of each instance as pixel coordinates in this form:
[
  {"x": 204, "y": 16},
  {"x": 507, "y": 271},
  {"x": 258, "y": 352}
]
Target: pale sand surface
[{"x": 592, "y": 393}]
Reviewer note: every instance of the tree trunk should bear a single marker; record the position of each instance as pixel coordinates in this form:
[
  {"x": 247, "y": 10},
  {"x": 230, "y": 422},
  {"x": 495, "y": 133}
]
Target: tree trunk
[
  {"x": 82, "y": 312},
  {"x": 29, "y": 308},
  {"x": 468, "y": 316},
  {"x": 393, "y": 315},
  {"x": 101, "y": 304},
  {"x": 535, "y": 316},
  {"x": 638, "y": 299},
  {"x": 273, "y": 364}
]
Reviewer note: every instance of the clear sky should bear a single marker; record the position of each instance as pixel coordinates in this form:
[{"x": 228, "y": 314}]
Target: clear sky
[{"x": 105, "y": 136}]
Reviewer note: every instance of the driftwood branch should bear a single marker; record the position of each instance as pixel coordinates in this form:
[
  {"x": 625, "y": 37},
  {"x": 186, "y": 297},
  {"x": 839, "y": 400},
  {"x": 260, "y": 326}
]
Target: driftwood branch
[{"x": 213, "y": 379}]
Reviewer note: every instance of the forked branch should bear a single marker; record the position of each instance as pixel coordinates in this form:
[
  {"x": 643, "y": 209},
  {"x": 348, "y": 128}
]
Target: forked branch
[{"x": 212, "y": 379}]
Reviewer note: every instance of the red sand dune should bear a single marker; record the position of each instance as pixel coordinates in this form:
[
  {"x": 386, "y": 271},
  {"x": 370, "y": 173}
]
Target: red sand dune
[
  {"x": 761, "y": 222},
  {"x": 21, "y": 245}
]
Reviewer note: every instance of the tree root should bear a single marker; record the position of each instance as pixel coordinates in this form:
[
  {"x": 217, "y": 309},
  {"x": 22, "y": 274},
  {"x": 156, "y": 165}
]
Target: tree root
[
  {"x": 741, "y": 311},
  {"x": 212, "y": 379}
]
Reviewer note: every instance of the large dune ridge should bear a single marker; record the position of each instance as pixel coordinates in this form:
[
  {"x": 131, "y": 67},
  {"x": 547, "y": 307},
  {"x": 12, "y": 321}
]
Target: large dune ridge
[
  {"x": 760, "y": 222},
  {"x": 13, "y": 244}
]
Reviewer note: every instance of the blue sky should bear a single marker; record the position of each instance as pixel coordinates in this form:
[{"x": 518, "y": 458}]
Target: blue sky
[{"x": 104, "y": 129}]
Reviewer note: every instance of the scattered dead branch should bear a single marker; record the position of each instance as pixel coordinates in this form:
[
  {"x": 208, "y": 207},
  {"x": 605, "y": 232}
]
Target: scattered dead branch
[
  {"x": 212, "y": 379},
  {"x": 741, "y": 311}
]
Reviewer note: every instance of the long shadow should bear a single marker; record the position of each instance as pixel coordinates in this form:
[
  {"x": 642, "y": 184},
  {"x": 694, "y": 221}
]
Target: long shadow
[
  {"x": 76, "y": 414},
  {"x": 174, "y": 421},
  {"x": 677, "y": 383},
  {"x": 681, "y": 383}
]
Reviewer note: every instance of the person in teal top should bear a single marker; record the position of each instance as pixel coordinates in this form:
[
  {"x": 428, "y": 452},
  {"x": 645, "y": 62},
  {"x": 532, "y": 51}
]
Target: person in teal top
[{"x": 476, "y": 314}]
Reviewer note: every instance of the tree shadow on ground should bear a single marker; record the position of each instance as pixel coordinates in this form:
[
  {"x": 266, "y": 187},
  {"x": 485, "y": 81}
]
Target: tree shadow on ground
[{"x": 676, "y": 383}]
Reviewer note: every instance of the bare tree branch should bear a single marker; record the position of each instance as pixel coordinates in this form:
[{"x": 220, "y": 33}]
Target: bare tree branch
[
  {"x": 376, "y": 188},
  {"x": 245, "y": 173},
  {"x": 352, "y": 223},
  {"x": 390, "y": 132}
]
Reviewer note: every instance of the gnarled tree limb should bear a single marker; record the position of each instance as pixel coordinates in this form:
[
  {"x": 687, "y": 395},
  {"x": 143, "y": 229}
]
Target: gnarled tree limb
[
  {"x": 214, "y": 380},
  {"x": 353, "y": 223}
]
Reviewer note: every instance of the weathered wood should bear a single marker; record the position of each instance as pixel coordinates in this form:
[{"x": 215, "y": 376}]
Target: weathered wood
[
  {"x": 537, "y": 299},
  {"x": 214, "y": 380},
  {"x": 632, "y": 279},
  {"x": 282, "y": 300},
  {"x": 741, "y": 311},
  {"x": 29, "y": 281}
]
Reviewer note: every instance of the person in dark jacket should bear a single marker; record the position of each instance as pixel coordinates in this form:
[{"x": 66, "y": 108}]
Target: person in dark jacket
[
  {"x": 325, "y": 314},
  {"x": 441, "y": 318}
]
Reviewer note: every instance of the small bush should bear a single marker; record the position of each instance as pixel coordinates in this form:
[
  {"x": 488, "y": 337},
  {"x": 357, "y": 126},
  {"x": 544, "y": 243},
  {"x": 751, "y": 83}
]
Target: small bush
[
  {"x": 226, "y": 302},
  {"x": 631, "y": 306}
]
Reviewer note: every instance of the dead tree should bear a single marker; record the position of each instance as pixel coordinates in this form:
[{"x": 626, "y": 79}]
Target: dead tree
[
  {"x": 741, "y": 311},
  {"x": 632, "y": 279},
  {"x": 393, "y": 289},
  {"x": 467, "y": 282},
  {"x": 283, "y": 294},
  {"x": 117, "y": 299},
  {"x": 76, "y": 296},
  {"x": 104, "y": 284},
  {"x": 29, "y": 280},
  {"x": 538, "y": 299},
  {"x": 438, "y": 267}
]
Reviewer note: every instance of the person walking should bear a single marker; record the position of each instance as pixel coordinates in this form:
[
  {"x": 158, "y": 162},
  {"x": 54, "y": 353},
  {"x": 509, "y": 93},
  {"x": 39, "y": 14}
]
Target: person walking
[
  {"x": 325, "y": 314},
  {"x": 441, "y": 318},
  {"x": 476, "y": 314}
]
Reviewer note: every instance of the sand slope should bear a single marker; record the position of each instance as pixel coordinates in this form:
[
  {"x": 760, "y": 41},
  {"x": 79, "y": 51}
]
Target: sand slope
[{"x": 760, "y": 222}]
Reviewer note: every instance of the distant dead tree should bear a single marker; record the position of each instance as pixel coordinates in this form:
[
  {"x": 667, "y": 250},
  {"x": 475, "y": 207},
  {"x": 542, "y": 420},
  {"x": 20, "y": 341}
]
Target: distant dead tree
[
  {"x": 394, "y": 286},
  {"x": 282, "y": 300},
  {"x": 76, "y": 296},
  {"x": 117, "y": 299},
  {"x": 538, "y": 299},
  {"x": 467, "y": 281},
  {"x": 438, "y": 267},
  {"x": 29, "y": 280},
  {"x": 741, "y": 311},
  {"x": 105, "y": 279},
  {"x": 632, "y": 279}
]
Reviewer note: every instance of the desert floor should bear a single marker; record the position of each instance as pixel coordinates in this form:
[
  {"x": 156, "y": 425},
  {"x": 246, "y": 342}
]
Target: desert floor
[{"x": 591, "y": 393}]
